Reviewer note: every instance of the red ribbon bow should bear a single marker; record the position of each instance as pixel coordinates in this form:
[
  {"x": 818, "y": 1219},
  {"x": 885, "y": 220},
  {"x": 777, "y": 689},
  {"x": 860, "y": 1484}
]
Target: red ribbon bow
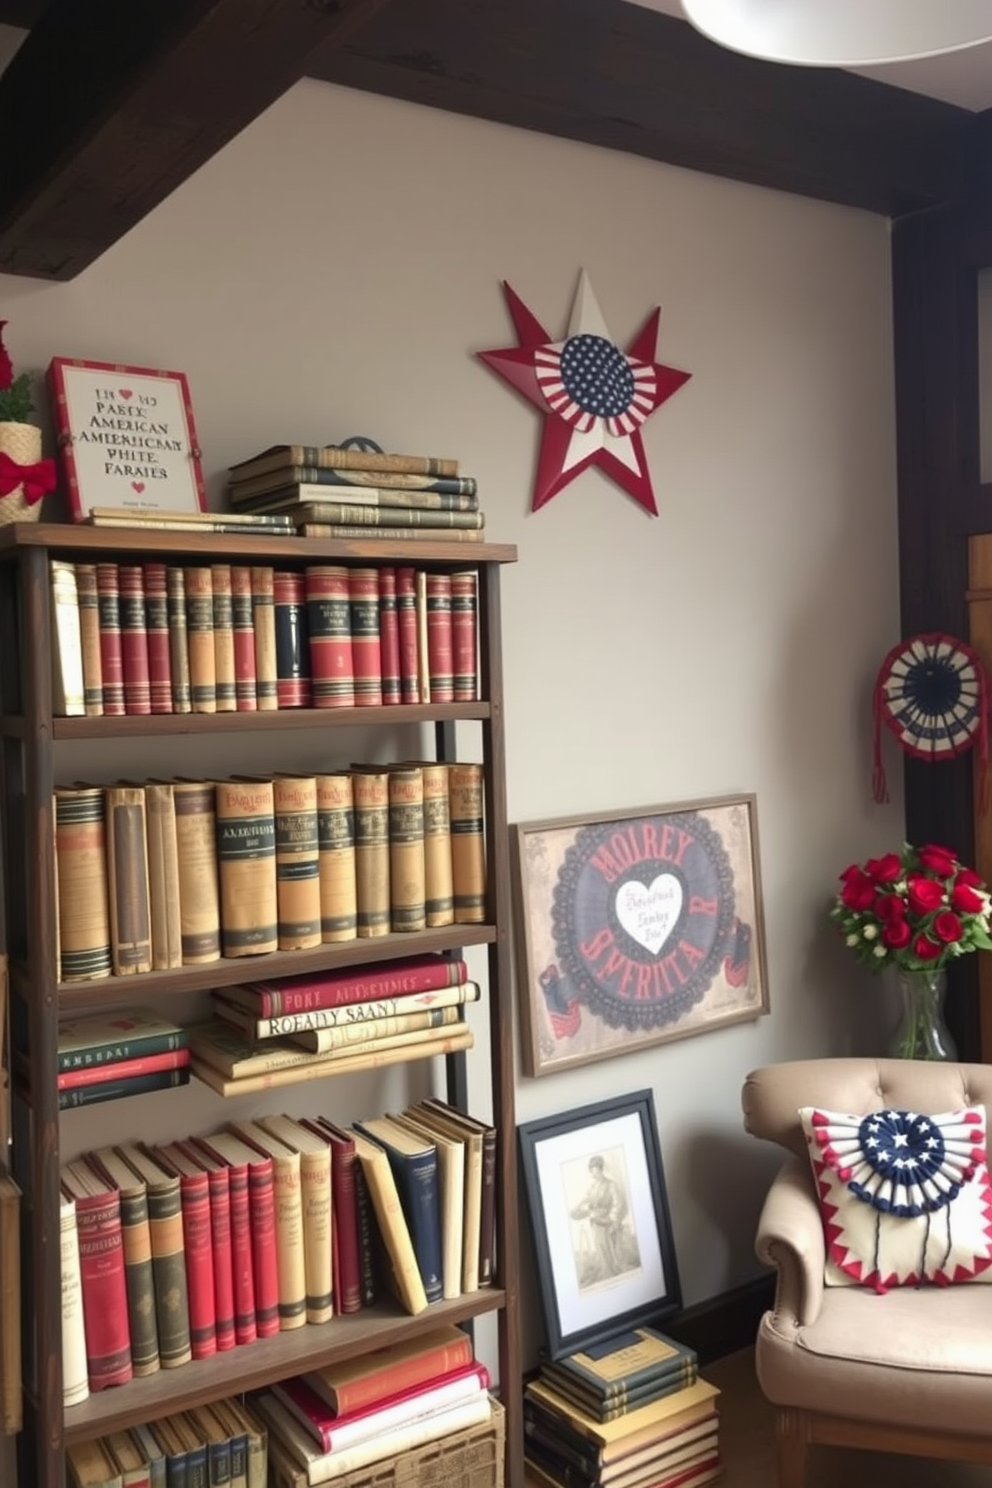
[{"x": 37, "y": 480}]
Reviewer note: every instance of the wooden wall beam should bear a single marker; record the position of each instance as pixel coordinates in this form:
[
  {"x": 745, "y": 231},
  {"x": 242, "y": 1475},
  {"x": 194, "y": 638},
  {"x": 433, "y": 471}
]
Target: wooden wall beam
[
  {"x": 114, "y": 105},
  {"x": 619, "y": 75}
]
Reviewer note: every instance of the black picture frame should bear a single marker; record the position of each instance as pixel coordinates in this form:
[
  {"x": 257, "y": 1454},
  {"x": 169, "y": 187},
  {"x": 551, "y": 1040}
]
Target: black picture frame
[{"x": 605, "y": 1257}]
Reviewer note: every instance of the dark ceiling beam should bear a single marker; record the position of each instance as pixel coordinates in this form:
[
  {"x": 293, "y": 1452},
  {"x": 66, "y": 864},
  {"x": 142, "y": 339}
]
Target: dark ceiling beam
[
  {"x": 114, "y": 105},
  {"x": 608, "y": 73},
  {"x": 24, "y": 13}
]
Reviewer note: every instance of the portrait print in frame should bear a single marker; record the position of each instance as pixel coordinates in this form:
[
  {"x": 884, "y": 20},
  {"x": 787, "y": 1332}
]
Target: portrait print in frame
[
  {"x": 600, "y": 1221},
  {"x": 636, "y": 928}
]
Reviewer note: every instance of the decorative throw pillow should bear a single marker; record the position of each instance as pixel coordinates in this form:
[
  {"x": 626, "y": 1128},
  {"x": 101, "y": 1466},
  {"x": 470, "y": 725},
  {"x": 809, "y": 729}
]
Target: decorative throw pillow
[{"x": 905, "y": 1198}]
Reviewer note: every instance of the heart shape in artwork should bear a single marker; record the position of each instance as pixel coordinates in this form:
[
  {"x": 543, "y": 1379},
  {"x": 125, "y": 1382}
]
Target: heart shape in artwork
[
  {"x": 138, "y": 486},
  {"x": 126, "y": 394},
  {"x": 650, "y": 913}
]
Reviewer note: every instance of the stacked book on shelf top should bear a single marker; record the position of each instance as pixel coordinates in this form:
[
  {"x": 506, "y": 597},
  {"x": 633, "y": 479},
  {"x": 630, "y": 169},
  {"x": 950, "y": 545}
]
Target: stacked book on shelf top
[
  {"x": 123, "y": 1051},
  {"x": 629, "y": 1412},
  {"x": 342, "y": 492}
]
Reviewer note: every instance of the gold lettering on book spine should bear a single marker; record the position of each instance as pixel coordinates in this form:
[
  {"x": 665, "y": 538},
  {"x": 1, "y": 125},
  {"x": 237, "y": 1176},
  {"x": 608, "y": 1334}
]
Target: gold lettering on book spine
[
  {"x": 406, "y": 849},
  {"x": 372, "y": 851},
  {"x": 468, "y": 856},
  {"x": 297, "y": 862},
  {"x": 199, "y": 880},
  {"x": 336, "y": 858},
  {"x": 84, "y": 910}
]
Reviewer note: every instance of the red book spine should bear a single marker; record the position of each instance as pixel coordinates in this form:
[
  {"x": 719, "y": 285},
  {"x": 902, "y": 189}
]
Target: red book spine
[
  {"x": 157, "y": 626},
  {"x": 440, "y": 645},
  {"x": 134, "y": 639},
  {"x": 406, "y": 616},
  {"x": 118, "y": 1069},
  {"x": 242, "y": 1263},
  {"x": 293, "y": 684},
  {"x": 332, "y": 665},
  {"x": 394, "y": 1376},
  {"x": 195, "y": 1191},
  {"x": 345, "y": 1263},
  {"x": 334, "y": 1430},
  {"x": 245, "y": 695},
  {"x": 219, "y": 1188},
  {"x": 363, "y": 604},
  {"x": 331, "y": 989},
  {"x": 389, "y": 637},
  {"x": 464, "y": 640},
  {"x": 101, "y": 1269},
  {"x": 262, "y": 1209},
  {"x": 111, "y": 663}
]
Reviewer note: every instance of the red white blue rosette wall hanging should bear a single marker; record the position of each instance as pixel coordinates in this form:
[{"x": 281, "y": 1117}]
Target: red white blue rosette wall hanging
[
  {"x": 932, "y": 695},
  {"x": 595, "y": 397}
]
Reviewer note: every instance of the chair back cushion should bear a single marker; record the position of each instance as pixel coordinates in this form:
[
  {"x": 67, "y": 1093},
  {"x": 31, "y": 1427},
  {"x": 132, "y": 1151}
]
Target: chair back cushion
[{"x": 773, "y": 1095}]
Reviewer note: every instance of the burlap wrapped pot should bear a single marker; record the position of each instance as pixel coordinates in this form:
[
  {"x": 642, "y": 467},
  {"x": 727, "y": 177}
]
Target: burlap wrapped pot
[{"x": 22, "y": 442}]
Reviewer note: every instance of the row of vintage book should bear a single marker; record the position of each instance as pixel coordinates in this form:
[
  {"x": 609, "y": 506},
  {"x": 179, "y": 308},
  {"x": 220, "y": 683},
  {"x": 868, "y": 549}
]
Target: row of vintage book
[
  {"x": 172, "y": 873},
  {"x": 155, "y": 638},
  {"x": 176, "y": 1251},
  {"x": 629, "y": 1411},
  {"x": 223, "y": 1443}
]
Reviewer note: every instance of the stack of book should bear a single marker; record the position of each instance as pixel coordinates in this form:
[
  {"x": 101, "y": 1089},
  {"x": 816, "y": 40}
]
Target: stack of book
[
  {"x": 335, "y": 492},
  {"x": 629, "y": 1413},
  {"x": 336, "y": 1421},
  {"x": 173, "y": 873},
  {"x": 273, "y": 1033},
  {"x": 224, "y": 1443},
  {"x": 151, "y": 638},
  {"x": 128, "y": 1051},
  {"x": 181, "y": 1250}
]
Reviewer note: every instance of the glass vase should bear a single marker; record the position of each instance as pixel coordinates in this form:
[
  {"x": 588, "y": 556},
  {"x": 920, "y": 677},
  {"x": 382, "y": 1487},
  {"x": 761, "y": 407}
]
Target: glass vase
[{"x": 922, "y": 1032}]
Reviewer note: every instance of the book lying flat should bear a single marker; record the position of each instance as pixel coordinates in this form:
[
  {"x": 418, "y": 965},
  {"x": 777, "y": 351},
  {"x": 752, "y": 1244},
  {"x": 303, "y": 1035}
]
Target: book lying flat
[
  {"x": 186, "y": 521},
  {"x": 318, "y": 1066}
]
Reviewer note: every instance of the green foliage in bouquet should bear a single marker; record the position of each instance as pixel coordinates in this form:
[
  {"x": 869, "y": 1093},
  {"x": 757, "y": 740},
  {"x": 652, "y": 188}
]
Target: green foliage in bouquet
[{"x": 16, "y": 402}]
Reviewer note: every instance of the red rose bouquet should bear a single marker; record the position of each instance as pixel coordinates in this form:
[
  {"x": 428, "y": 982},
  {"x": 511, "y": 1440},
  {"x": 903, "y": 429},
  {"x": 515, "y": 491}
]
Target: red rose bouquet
[
  {"x": 918, "y": 909},
  {"x": 16, "y": 405}
]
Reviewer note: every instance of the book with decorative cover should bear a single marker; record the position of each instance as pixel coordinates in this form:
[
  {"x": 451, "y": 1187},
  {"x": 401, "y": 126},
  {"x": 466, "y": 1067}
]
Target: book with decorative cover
[
  {"x": 616, "y": 1366},
  {"x": 246, "y": 854},
  {"x": 84, "y": 908},
  {"x": 134, "y": 639},
  {"x": 407, "y": 907},
  {"x": 297, "y": 862},
  {"x": 366, "y": 648},
  {"x": 89, "y": 635},
  {"x": 127, "y": 878},
  {"x": 101, "y": 1268},
  {"x": 336, "y": 857},
  {"x": 165, "y": 1222},
  {"x": 332, "y": 989},
  {"x": 117, "y": 1033}
]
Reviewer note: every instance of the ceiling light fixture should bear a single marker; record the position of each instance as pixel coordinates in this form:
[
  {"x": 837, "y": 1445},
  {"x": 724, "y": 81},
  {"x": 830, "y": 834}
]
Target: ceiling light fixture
[{"x": 842, "y": 33}]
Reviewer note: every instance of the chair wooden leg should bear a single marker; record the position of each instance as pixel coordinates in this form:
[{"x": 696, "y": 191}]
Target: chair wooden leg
[{"x": 793, "y": 1441}]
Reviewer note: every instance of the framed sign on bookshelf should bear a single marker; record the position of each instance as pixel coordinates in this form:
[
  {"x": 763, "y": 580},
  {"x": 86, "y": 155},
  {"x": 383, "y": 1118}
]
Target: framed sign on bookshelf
[
  {"x": 636, "y": 928},
  {"x": 126, "y": 437},
  {"x": 600, "y": 1220}
]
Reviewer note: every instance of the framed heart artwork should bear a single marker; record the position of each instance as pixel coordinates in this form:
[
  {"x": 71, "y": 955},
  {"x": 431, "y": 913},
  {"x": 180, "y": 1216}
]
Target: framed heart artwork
[
  {"x": 126, "y": 438},
  {"x": 636, "y": 929}
]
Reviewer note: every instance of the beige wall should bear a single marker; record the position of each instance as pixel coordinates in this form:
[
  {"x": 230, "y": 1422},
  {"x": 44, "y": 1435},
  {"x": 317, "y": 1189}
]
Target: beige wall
[{"x": 333, "y": 271}]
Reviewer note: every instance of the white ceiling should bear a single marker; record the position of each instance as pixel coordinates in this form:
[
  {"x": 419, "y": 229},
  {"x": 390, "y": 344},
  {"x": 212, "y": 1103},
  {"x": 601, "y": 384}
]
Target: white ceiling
[{"x": 964, "y": 78}]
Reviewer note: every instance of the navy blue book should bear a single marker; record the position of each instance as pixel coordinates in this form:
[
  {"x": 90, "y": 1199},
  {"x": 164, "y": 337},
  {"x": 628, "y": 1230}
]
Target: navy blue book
[
  {"x": 197, "y": 1472},
  {"x": 175, "y": 1452},
  {"x": 208, "y": 1425},
  {"x": 413, "y": 1161}
]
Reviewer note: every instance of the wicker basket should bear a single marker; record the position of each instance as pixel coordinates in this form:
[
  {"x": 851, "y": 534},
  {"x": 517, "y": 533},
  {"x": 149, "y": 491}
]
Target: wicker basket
[
  {"x": 22, "y": 442},
  {"x": 466, "y": 1459}
]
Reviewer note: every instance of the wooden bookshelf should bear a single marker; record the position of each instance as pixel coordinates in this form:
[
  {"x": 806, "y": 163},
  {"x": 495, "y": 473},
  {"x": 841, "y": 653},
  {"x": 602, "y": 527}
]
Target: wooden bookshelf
[{"x": 29, "y": 734}]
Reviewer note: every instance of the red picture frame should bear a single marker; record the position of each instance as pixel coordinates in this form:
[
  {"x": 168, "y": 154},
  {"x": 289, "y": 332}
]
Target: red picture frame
[{"x": 126, "y": 437}]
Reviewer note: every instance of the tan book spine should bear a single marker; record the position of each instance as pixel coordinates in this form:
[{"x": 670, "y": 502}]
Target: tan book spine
[
  {"x": 371, "y": 789},
  {"x": 11, "y": 1409},
  {"x": 246, "y": 854},
  {"x": 473, "y": 1166},
  {"x": 89, "y": 636},
  {"x": 468, "y": 851},
  {"x": 263, "y": 601},
  {"x": 438, "y": 886},
  {"x": 406, "y": 849},
  {"x": 163, "y": 876},
  {"x": 83, "y": 900},
  {"x": 200, "y": 637},
  {"x": 127, "y": 880},
  {"x": 315, "y": 1191},
  {"x": 75, "y": 1381},
  {"x": 199, "y": 876},
  {"x": 297, "y": 862},
  {"x": 223, "y": 617},
  {"x": 287, "y": 1192},
  {"x": 175, "y": 582},
  {"x": 353, "y": 1034},
  {"x": 336, "y": 857},
  {"x": 393, "y": 1227},
  {"x": 376, "y": 1056},
  {"x": 68, "y": 697}
]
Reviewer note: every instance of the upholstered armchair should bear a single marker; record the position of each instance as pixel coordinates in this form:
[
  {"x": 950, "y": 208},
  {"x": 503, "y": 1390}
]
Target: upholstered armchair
[{"x": 908, "y": 1369}]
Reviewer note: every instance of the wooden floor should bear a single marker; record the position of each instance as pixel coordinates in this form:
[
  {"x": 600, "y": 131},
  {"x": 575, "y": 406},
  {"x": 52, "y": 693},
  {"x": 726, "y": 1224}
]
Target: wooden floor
[{"x": 747, "y": 1443}]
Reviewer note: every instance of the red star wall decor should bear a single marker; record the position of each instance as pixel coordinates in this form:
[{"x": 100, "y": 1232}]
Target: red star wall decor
[{"x": 594, "y": 397}]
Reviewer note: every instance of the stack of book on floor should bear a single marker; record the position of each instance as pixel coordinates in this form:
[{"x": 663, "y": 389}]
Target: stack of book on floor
[
  {"x": 126, "y": 1051},
  {"x": 222, "y": 1443},
  {"x": 631, "y": 1412},
  {"x": 267, "y": 1034},
  {"x": 337, "y": 1421},
  {"x": 335, "y": 492}
]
